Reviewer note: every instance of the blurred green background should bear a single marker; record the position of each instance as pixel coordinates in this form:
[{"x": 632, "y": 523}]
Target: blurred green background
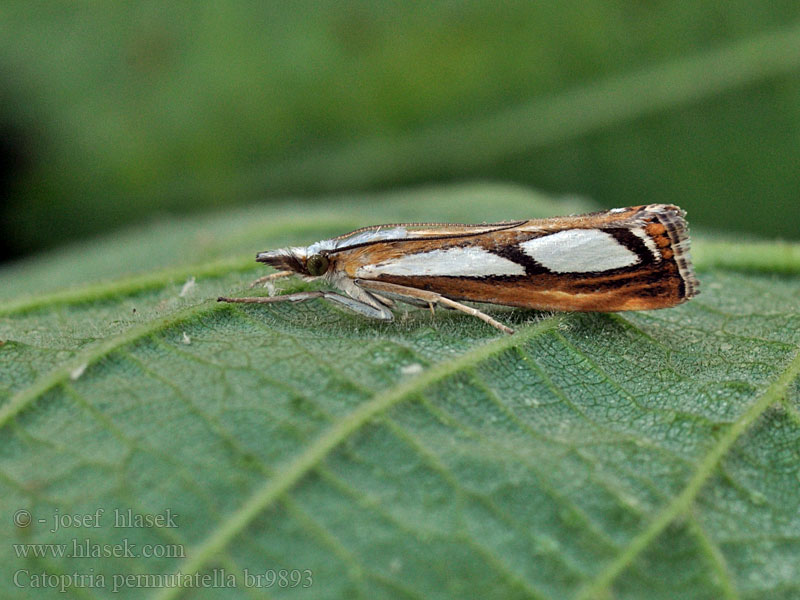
[{"x": 117, "y": 112}]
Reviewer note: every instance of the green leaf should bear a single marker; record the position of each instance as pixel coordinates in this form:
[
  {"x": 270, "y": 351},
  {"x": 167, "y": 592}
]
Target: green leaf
[{"x": 635, "y": 455}]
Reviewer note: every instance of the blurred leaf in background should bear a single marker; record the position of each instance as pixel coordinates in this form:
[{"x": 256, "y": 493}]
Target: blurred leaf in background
[{"x": 114, "y": 112}]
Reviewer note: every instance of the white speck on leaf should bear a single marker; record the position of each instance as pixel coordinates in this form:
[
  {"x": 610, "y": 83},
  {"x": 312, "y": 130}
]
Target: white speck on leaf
[
  {"x": 77, "y": 371},
  {"x": 188, "y": 287},
  {"x": 412, "y": 369},
  {"x": 395, "y": 565}
]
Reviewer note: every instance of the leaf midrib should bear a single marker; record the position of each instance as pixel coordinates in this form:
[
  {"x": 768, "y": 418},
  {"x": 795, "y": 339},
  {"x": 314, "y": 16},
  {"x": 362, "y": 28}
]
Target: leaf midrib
[{"x": 296, "y": 469}]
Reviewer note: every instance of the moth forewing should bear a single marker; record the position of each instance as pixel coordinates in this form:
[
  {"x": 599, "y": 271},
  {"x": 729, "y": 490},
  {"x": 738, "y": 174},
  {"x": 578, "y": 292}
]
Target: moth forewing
[
  {"x": 623, "y": 259},
  {"x": 626, "y": 259}
]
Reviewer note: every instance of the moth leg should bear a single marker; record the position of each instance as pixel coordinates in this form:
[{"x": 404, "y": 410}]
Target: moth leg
[
  {"x": 266, "y": 279},
  {"x": 357, "y": 306},
  {"x": 298, "y": 297},
  {"x": 475, "y": 313},
  {"x": 362, "y": 308},
  {"x": 430, "y": 298}
]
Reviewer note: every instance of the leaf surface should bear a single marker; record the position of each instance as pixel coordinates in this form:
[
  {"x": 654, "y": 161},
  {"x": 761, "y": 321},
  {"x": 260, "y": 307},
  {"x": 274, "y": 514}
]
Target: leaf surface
[{"x": 635, "y": 455}]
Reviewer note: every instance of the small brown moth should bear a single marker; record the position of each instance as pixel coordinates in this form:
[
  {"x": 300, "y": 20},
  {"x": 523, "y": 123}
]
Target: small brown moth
[{"x": 623, "y": 259}]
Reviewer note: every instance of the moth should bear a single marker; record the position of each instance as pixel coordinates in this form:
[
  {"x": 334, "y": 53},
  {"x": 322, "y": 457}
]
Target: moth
[{"x": 634, "y": 258}]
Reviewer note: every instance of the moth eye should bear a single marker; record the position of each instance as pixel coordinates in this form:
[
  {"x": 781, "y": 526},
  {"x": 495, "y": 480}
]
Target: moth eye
[{"x": 317, "y": 265}]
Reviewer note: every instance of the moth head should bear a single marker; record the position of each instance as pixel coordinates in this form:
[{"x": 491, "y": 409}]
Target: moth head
[{"x": 298, "y": 260}]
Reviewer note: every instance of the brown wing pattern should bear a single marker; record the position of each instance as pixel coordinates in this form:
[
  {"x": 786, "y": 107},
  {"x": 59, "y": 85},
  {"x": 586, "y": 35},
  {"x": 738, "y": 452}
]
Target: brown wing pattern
[{"x": 662, "y": 276}]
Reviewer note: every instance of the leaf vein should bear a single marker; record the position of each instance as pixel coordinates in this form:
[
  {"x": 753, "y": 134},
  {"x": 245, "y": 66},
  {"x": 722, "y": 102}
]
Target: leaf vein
[
  {"x": 26, "y": 396},
  {"x": 717, "y": 559},
  {"x": 682, "y": 502}
]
